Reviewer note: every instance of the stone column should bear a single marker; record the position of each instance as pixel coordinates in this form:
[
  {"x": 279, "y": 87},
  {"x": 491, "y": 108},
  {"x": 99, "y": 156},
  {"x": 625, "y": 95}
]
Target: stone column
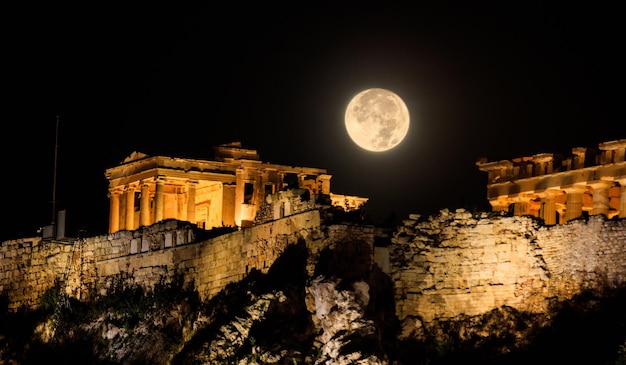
[
  {"x": 130, "y": 208},
  {"x": 574, "y": 203},
  {"x": 521, "y": 206},
  {"x": 614, "y": 150},
  {"x": 579, "y": 159},
  {"x": 159, "y": 199},
  {"x": 324, "y": 182},
  {"x": 548, "y": 208},
  {"x": 191, "y": 201},
  {"x": 543, "y": 163},
  {"x": 622, "y": 198},
  {"x": 239, "y": 192},
  {"x": 601, "y": 197},
  {"x": 181, "y": 203},
  {"x": 301, "y": 180},
  {"x": 114, "y": 211},
  {"x": 144, "y": 205},
  {"x": 561, "y": 210}
]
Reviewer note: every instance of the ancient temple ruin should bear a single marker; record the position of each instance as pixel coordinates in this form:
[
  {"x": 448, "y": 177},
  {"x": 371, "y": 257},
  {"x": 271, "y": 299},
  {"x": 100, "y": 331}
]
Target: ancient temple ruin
[
  {"x": 557, "y": 188},
  {"x": 227, "y": 191}
]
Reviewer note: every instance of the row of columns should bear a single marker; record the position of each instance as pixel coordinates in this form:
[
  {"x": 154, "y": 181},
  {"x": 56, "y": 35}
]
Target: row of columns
[
  {"x": 573, "y": 207},
  {"x": 147, "y": 216}
]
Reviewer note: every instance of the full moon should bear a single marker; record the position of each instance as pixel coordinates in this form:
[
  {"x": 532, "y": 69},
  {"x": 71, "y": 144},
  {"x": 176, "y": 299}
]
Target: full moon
[{"x": 377, "y": 119}]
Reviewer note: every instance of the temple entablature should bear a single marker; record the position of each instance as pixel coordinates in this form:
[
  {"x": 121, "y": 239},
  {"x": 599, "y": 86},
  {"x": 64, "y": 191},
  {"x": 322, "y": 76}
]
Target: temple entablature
[{"x": 559, "y": 189}]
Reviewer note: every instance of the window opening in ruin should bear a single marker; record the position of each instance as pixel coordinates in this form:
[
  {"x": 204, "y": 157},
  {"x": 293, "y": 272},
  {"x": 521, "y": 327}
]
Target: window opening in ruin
[
  {"x": 290, "y": 181},
  {"x": 590, "y": 157},
  {"x": 310, "y": 183},
  {"x": 248, "y": 191},
  {"x": 269, "y": 189}
]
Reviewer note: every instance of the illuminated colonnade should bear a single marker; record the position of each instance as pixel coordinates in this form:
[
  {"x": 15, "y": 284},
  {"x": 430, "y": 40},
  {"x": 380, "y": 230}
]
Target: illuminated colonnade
[
  {"x": 559, "y": 189},
  {"x": 225, "y": 192},
  {"x": 151, "y": 200}
]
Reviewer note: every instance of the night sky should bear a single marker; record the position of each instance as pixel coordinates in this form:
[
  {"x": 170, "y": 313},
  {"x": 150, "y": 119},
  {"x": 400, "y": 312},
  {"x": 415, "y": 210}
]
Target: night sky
[{"x": 498, "y": 80}]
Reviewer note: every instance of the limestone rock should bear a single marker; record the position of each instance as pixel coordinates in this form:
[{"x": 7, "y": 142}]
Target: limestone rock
[{"x": 340, "y": 316}]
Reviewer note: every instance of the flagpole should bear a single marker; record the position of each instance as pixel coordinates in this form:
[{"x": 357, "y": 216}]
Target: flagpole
[{"x": 54, "y": 179}]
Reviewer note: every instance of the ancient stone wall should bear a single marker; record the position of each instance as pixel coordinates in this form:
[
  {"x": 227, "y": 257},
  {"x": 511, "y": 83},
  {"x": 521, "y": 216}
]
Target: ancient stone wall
[
  {"x": 93, "y": 266},
  {"x": 444, "y": 266},
  {"x": 31, "y": 266},
  {"x": 584, "y": 254},
  {"x": 284, "y": 203},
  {"x": 459, "y": 263},
  {"x": 28, "y": 267},
  {"x": 212, "y": 264}
]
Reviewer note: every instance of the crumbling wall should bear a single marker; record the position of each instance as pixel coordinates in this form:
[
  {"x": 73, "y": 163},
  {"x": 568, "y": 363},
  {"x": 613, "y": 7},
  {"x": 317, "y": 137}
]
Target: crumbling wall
[
  {"x": 283, "y": 204},
  {"x": 451, "y": 264},
  {"x": 459, "y": 263},
  {"x": 28, "y": 267},
  {"x": 584, "y": 254},
  {"x": 31, "y": 266},
  {"x": 92, "y": 266},
  {"x": 212, "y": 264}
]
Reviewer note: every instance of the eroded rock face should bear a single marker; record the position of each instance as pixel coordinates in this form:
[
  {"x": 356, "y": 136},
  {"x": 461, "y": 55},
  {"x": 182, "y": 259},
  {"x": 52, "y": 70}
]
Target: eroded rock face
[
  {"x": 233, "y": 335},
  {"x": 462, "y": 287},
  {"x": 339, "y": 331},
  {"x": 462, "y": 264},
  {"x": 456, "y": 263},
  {"x": 339, "y": 315}
]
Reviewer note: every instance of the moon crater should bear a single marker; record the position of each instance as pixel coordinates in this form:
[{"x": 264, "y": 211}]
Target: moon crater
[{"x": 377, "y": 119}]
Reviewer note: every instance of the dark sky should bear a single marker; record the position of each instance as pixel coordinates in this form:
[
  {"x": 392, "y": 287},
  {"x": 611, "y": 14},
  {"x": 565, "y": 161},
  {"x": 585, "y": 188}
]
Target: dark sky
[{"x": 498, "y": 80}]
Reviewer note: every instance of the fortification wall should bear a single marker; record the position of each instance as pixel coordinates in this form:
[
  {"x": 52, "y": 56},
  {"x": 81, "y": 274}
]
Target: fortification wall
[
  {"x": 584, "y": 254},
  {"x": 212, "y": 264},
  {"x": 457, "y": 263},
  {"x": 451, "y": 264},
  {"x": 31, "y": 266},
  {"x": 28, "y": 267},
  {"x": 94, "y": 265}
]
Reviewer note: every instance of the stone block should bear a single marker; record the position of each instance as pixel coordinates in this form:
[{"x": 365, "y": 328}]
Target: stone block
[
  {"x": 134, "y": 246},
  {"x": 145, "y": 244},
  {"x": 168, "y": 239}
]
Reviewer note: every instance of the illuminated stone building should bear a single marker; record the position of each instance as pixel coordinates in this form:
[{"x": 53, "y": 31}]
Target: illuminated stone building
[
  {"x": 225, "y": 192},
  {"x": 558, "y": 189}
]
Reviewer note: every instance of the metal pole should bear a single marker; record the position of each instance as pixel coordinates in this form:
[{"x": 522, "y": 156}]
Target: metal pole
[{"x": 54, "y": 179}]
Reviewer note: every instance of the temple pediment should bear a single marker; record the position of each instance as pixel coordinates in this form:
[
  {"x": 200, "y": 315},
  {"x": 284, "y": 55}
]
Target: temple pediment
[{"x": 134, "y": 157}]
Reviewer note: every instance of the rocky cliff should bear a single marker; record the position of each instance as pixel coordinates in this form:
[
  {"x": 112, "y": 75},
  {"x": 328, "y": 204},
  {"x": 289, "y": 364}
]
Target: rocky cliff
[{"x": 460, "y": 287}]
